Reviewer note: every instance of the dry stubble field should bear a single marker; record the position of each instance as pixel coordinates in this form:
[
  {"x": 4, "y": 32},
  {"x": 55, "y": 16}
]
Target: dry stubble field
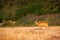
[{"x": 30, "y": 33}]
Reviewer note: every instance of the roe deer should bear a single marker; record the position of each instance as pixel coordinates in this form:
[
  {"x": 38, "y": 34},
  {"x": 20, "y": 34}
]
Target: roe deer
[
  {"x": 9, "y": 22},
  {"x": 42, "y": 24}
]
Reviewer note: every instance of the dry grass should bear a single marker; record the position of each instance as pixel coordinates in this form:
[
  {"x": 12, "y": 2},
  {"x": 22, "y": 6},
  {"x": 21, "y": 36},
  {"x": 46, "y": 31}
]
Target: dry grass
[{"x": 30, "y": 33}]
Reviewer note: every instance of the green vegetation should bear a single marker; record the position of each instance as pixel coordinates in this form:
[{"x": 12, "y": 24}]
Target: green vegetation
[{"x": 18, "y": 10}]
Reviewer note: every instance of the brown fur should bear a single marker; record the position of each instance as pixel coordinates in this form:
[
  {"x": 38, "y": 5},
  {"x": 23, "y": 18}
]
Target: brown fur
[{"x": 42, "y": 24}]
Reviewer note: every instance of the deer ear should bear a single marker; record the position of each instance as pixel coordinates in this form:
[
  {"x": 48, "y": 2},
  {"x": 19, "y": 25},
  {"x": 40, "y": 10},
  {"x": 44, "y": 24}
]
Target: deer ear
[{"x": 36, "y": 21}]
